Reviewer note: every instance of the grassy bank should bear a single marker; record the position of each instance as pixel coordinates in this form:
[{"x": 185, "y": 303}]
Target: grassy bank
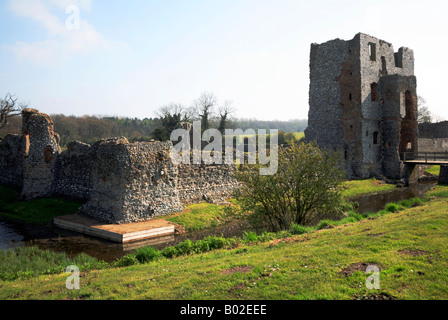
[
  {"x": 408, "y": 245},
  {"x": 28, "y": 262},
  {"x": 435, "y": 170},
  {"x": 356, "y": 188},
  {"x": 200, "y": 216}
]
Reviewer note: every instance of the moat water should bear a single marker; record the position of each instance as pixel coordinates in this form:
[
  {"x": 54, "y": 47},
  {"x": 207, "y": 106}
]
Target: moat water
[{"x": 13, "y": 234}]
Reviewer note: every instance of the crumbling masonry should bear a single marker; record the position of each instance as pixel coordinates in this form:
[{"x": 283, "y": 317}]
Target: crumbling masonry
[
  {"x": 120, "y": 182},
  {"x": 363, "y": 104}
]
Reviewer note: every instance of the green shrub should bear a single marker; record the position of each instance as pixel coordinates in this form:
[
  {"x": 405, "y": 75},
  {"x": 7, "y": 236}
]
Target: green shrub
[
  {"x": 201, "y": 246},
  {"x": 406, "y": 203},
  {"x": 355, "y": 215},
  {"x": 416, "y": 202},
  {"x": 368, "y": 214},
  {"x": 250, "y": 237},
  {"x": 127, "y": 260},
  {"x": 287, "y": 196},
  {"x": 169, "y": 252},
  {"x": 147, "y": 254},
  {"x": 298, "y": 229},
  {"x": 215, "y": 242},
  {"x": 185, "y": 247},
  {"x": 324, "y": 224},
  {"x": 347, "y": 220},
  {"x": 392, "y": 207}
]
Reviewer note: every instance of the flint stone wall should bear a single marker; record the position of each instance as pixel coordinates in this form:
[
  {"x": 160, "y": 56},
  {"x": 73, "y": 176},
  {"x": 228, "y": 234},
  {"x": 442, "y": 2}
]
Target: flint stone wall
[
  {"x": 73, "y": 177},
  {"x": 208, "y": 181},
  {"x": 41, "y": 148},
  {"x": 433, "y": 137},
  {"x": 132, "y": 182}
]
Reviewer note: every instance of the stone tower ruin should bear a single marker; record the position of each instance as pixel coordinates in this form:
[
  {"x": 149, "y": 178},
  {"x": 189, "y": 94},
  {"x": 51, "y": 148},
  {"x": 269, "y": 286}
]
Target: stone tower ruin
[{"x": 363, "y": 103}]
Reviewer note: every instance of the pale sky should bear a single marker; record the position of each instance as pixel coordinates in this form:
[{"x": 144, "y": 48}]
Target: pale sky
[{"x": 128, "y": 58}]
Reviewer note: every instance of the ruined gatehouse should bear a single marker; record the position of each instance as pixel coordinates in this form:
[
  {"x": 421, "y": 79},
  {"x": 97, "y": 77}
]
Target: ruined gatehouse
[{"x": 363, "y": 104}]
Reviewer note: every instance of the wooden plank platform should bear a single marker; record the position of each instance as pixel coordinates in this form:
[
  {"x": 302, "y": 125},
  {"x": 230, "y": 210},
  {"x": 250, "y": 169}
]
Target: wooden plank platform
[{"x": 121, "y": 233}]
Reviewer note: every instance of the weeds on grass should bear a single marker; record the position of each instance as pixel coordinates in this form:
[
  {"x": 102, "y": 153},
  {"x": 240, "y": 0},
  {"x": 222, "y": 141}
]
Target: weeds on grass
[
  {"x": 393, "y": 207},
  {"x": 26, "y": 262},
  {"x": 299, "y": 229}
]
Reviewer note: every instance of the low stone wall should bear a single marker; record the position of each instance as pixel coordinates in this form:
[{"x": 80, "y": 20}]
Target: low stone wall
[
  {"x": 433, "y": 137},
  {"x": 209, "y": 182},
  {"x": 433, "y": 130},
  {"x": 433, "y": 145}
]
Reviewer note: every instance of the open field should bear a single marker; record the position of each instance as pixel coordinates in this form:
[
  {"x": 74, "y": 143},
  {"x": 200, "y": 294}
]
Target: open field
[{"x": 409, "y": 247}]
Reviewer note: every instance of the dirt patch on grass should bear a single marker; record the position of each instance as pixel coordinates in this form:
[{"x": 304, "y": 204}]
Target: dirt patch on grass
[
  {"x": 241, "y": 269},
  {"x": 287, "y": 240},
  {"x": 238, "y": 287},
  {"x": 178, "y": 229},
  {"x": 375, "y": 234},
  {"x": 414, "y": 253},
  {"x": 360, "y": 266},
  {"x": 242, "y": 286},
  {"x": 375, "y": 296}
]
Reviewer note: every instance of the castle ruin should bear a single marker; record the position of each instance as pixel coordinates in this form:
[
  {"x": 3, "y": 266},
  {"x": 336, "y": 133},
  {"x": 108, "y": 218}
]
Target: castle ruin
[
  {"x": 118, "y": 181},
  {"x": 363, "y": 104}
]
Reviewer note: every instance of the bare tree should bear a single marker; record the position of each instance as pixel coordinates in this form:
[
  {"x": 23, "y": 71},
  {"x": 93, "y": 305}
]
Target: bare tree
[
  {"x": 204, "y": 106},
  {"x": 424, "y": 114},
  {"x": 171, "y": 116},
  {"x": 176, "y": 110},
  {"x": 224, "y": 112},
  {"x": 9, "y": 108}
]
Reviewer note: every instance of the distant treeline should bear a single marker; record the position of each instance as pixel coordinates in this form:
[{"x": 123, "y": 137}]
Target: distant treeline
[{"x": 89, "y": 129}]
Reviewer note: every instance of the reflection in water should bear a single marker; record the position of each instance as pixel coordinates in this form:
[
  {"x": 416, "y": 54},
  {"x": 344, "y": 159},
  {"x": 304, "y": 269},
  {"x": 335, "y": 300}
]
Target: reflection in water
[
  {"x": 72, "y": 243},
  {"x": 377, "y": 202},
  {"x": 9, "y": 237}
]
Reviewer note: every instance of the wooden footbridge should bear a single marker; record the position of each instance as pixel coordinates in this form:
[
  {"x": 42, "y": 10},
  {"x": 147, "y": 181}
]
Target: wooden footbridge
[{"x": 428, "y": 158}]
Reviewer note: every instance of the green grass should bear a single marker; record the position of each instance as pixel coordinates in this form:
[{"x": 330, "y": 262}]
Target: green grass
[
  {"x": 435, "y": 170},
  {"x": 200, "y": 216},
  {"x": 409, "y": 246},
  {"x": 299, "y": 135},
  {"x": 37, "y": 211},
  {"x": 356, "y": 188},
  {"x": 27, "y": 262}
]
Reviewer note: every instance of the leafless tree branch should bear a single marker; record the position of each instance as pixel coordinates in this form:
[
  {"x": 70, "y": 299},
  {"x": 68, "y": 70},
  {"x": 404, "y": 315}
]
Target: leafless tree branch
[{"x": 9, "y": 108}]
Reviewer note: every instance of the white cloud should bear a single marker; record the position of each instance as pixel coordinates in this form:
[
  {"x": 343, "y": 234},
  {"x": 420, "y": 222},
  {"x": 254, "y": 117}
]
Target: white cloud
[
  {"x": 61, "y": 42},
  {"x": 84, "y": 5}
]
